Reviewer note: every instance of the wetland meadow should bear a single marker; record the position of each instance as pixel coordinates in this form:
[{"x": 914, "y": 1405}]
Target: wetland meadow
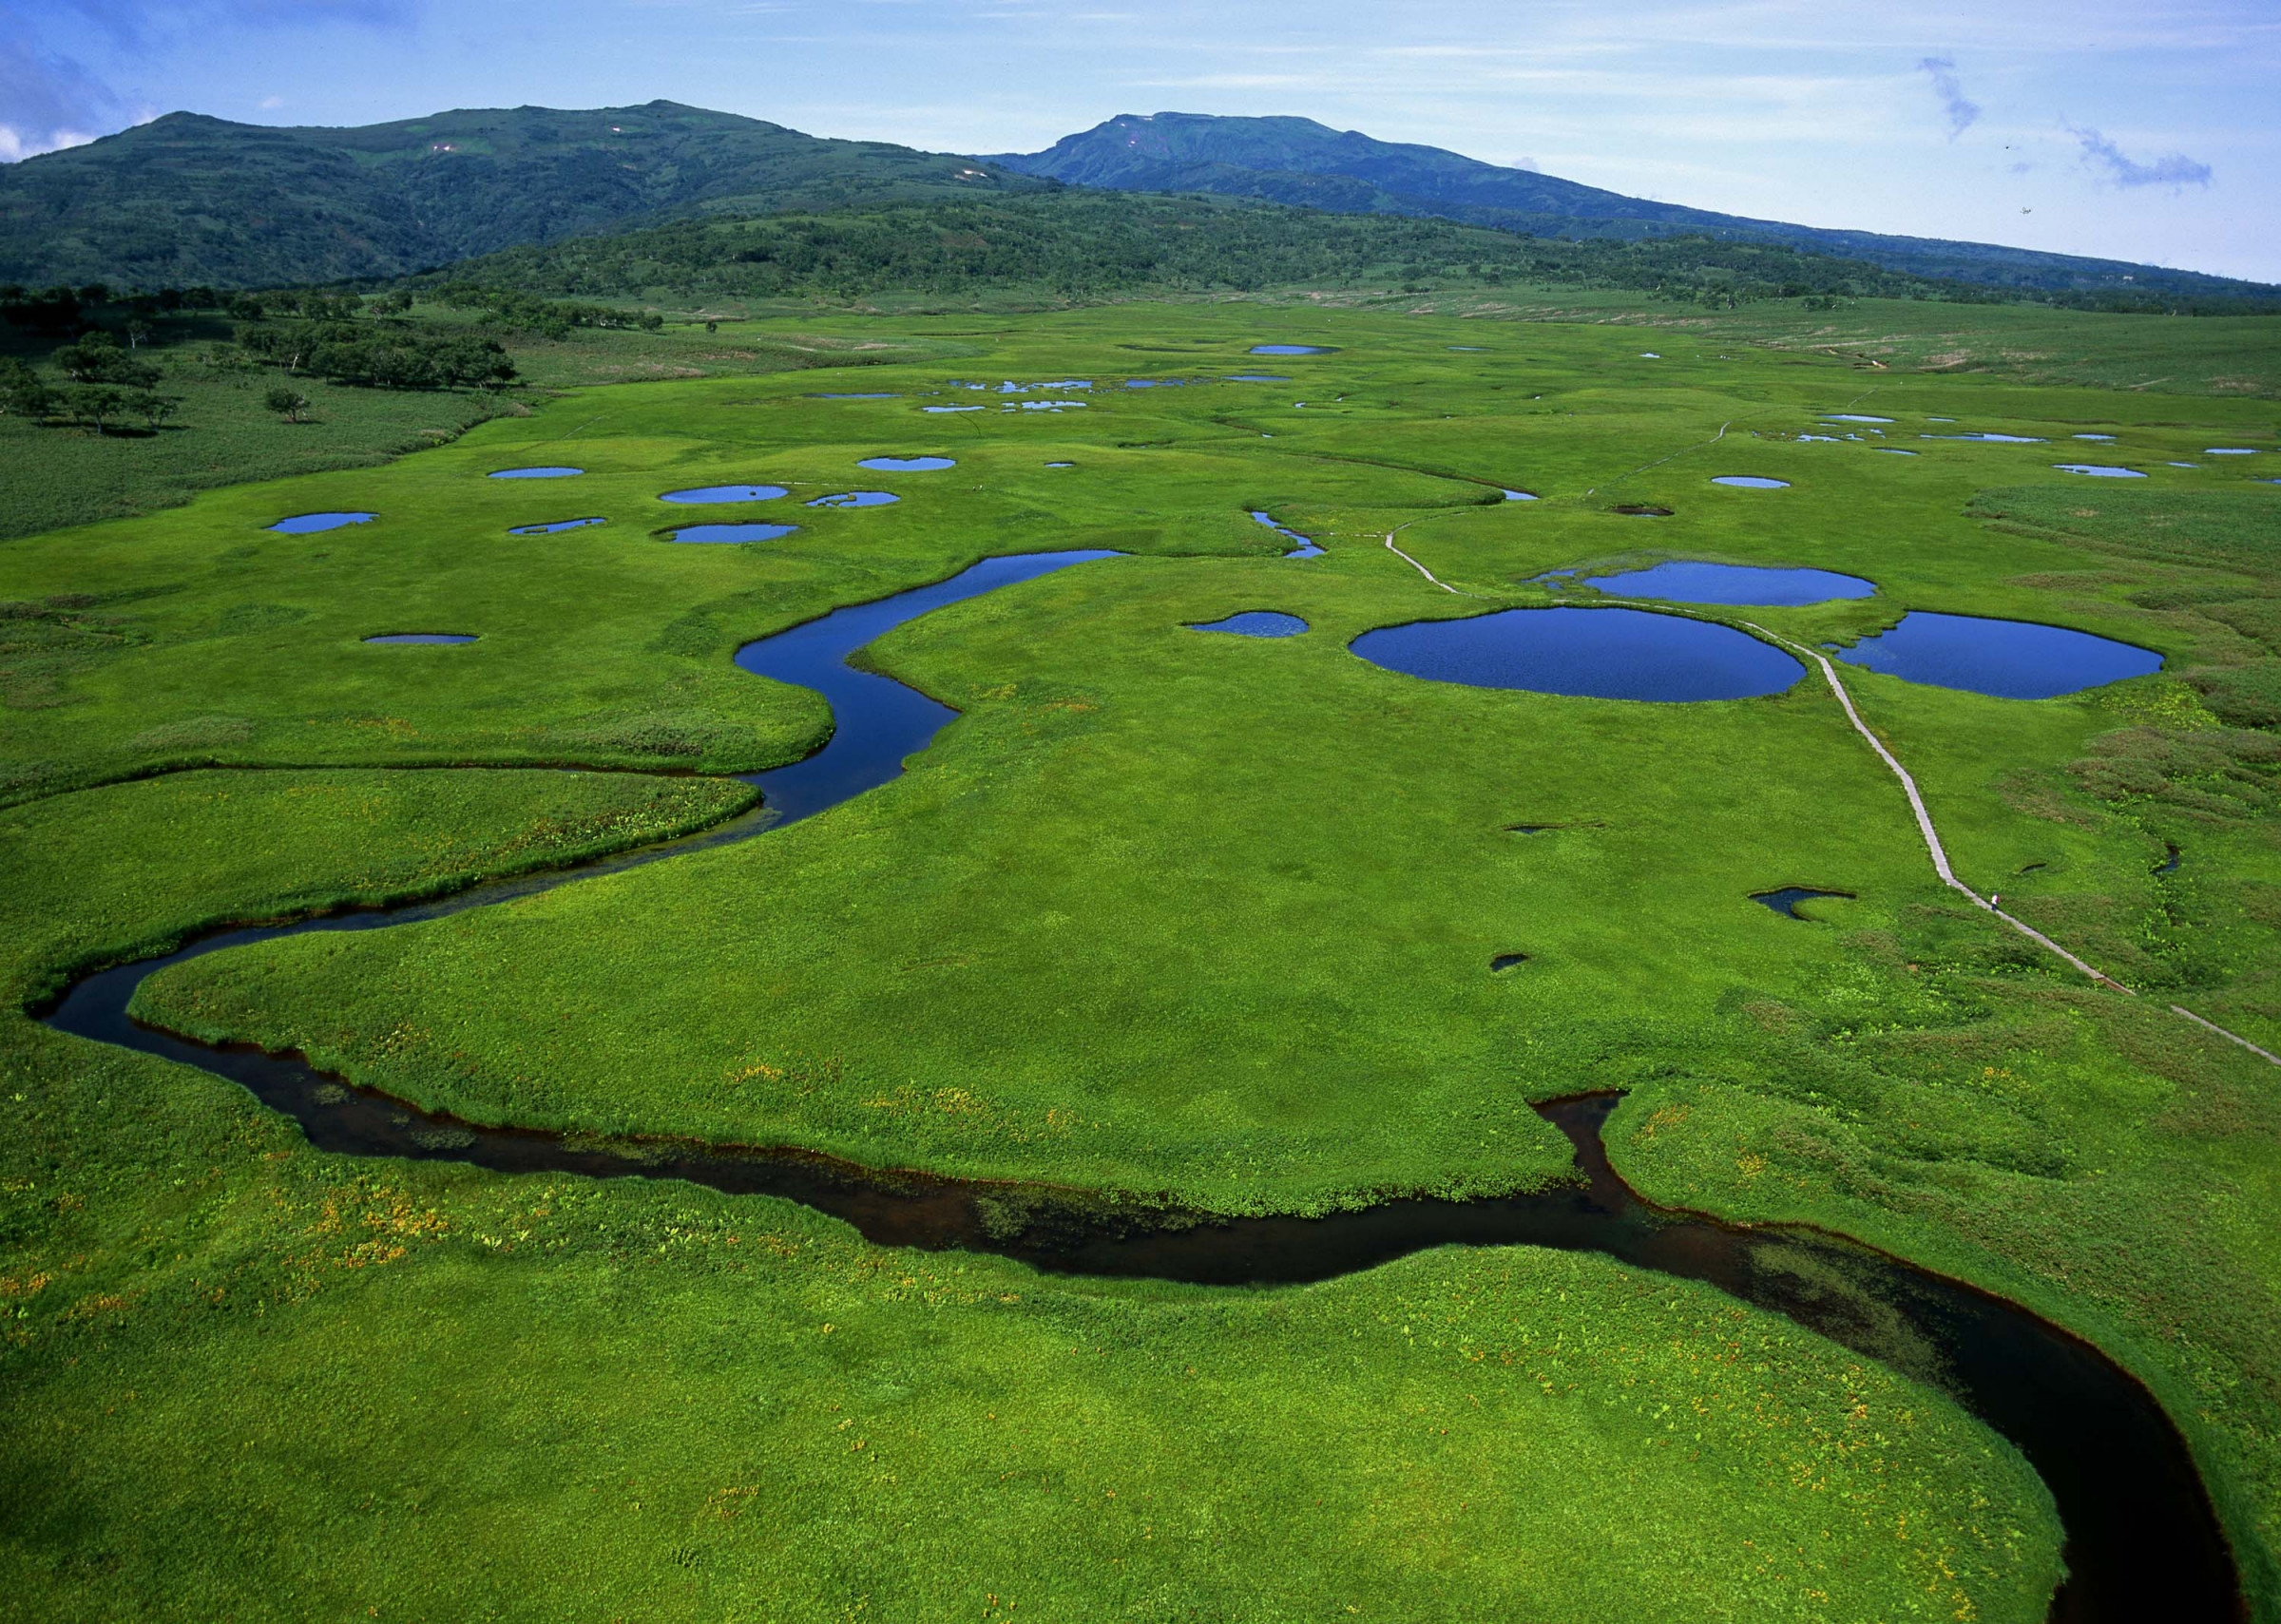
[{"x": 1130, "y": 1002}]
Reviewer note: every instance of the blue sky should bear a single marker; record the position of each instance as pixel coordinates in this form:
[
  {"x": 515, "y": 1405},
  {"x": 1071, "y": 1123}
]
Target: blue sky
[{"x": 2138, "y": 131}]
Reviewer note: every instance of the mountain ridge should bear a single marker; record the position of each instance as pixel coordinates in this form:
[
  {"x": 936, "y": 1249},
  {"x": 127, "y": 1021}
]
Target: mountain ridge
[{"x": 1291, "y": 160}]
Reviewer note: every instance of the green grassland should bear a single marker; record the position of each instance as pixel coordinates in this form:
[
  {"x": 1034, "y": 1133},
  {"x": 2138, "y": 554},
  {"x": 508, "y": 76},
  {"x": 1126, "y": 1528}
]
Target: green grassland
[
  {"x": 1205, "y": 919},
  {"x": 247, "y": 1380}
]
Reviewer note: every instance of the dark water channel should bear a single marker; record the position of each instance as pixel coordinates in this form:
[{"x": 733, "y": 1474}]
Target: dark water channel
[{"x": 2142, "y": 1541}]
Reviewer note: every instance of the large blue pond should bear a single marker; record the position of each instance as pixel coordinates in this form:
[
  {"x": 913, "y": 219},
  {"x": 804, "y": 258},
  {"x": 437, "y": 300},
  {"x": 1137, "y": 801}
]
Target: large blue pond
[
  {"x": 1603, "y": 654},
  {"x": 1684, "y": 581},
  {"x": 725, "y": 493},
  {"x": 906, "y": 464},
  {"x": 1255, "y": 623},
  {"x": 302, "y": 524},
  {"x": 2006, "y": 659},
  {"x": 733, "y": 532}
]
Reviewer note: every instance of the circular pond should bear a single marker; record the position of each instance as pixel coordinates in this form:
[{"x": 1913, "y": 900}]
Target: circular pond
[
  {"x": 906, "y": 464},
  {"x": 857, "y": 499},
  {"x": 424, "y": 637},
  {"x": 1254, "y": 624},
  {"x": 732, "y": 532},
  {"x": 1601, "y": 654},
  {"x": 302, "y": 524},
  {"x": 1682, "y": 580},
  {"x": 537, "y": 473},
  {"x": 1750, "y": 482},
  {"x": 2005, "y": 659},
  {"x": 725, "y": 493}
]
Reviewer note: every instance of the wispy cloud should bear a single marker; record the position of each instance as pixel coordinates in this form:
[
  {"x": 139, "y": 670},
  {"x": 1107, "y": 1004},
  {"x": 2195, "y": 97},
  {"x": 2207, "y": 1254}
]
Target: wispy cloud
[
  {"x": 1961, "y": 113},
  {"x": 2117, "y": 168}
]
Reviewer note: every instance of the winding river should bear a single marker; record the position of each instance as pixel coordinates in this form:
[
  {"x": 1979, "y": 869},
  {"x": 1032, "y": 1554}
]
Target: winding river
[{"x": 2142, "y": 1539}]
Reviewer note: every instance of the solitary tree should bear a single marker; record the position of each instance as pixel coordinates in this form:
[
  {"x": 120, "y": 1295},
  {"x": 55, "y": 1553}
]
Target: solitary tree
[
  {"x": 154, "y": 409},
  {"x": 22, "y": 393},
  {"x": 138, "y": 335},
  {"x": 287, "y": 403},
  {"x": 98, "y": 406}
]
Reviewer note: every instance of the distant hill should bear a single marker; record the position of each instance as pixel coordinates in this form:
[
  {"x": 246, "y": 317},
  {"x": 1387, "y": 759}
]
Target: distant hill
[
  {"x": 1297, "y": 161},
  {"x": 190, "y": 199}
]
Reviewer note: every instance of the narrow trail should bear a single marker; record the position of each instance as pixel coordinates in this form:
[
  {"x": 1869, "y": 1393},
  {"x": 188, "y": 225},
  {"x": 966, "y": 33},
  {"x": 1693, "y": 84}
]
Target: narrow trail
[
  {"x": 1940, "y": 853},
  {"x": 1423, "y": 570}
]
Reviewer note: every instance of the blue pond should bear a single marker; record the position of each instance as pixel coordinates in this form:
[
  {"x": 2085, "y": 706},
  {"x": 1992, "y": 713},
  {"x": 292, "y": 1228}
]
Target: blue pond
[
  {"x": 1785, "y": 902},
  {"x": 423, "y": 636},
  {"x": 538, "y": 473},
  {"x": 1061, "y": 465},
  {"x": 1991, "y": 439},
  {"x": 2229, "y": 451},
  {"x": 2099, "y": 470},
  {"x": 1604, "y": 654},
  {"x": 1518, "y": 496},
  {"x": 1306, "y": 547},
  {"x": 1750, "y": 482},
  {"x": 942, "y": 408},
  {"x": 1851, "y": 417},
  {"x": 557, "y": 525},
  {"x": 906, "y": 464},
  {"x": 1255, "y": 623},
  {"x": 2006, "y": 659},
  {"x": 1683, "y": 582},
  {"x": 2094, "y": 436},
  {"x": 1294, "y": 350},
  {"x": 857, "y": 499},
  {"x": 725, "y": 493},
  {"x": 733, "y": 532},
  {"x": 302, "y": 524}
]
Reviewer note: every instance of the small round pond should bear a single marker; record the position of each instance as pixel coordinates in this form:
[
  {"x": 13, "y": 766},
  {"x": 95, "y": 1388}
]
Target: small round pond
[
  {"x": 856, "y": 499},
  {"x": 906, "y": 464},
  {"x": 1750, "y": 482},
  {"x": 1684, "y": 581},
  {"x": 424, "y": 637},
  {"x": 2005, "y": 659},
  {"x": 1294, "y": 350},
  {"x": 726, "y": 494},
  {"x": 732, "y": 532},
  {"x": 1601, "y": 654},
  {"x": 557, "y": 525},
  {"x": 537, "y": 473},
  {"x": 2099, "y": 470},
  {"x": 1254, "y": 624},
  {"x": 302, "y": 524}
]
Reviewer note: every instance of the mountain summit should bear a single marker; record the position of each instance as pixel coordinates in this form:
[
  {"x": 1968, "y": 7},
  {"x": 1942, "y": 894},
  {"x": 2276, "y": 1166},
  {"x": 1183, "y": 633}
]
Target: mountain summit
[{"x": 1297, "y": 161}]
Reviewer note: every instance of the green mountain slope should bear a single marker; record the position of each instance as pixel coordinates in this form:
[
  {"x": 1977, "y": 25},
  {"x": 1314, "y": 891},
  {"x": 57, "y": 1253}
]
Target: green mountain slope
[
  {"x": 1297, "y": 161},
  {"x": 190, "y": 199}
]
